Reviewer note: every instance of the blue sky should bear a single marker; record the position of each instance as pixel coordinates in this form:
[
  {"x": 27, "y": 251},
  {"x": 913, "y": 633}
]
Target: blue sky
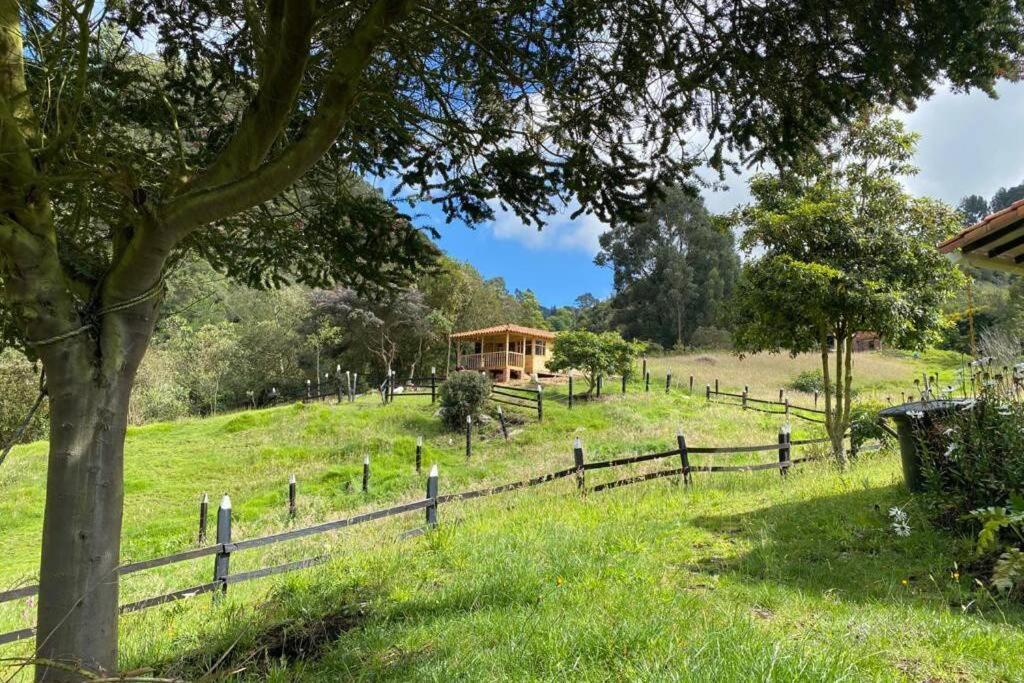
[{"x": 970, "y": 144}]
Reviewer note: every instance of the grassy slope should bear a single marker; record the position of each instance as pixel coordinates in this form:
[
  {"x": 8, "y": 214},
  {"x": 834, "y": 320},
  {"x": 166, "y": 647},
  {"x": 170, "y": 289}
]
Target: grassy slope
[{"x": 742, "y": 576}]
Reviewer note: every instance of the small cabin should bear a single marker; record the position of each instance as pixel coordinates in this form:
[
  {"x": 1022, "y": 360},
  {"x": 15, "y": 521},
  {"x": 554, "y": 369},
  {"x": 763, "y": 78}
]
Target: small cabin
[{"x": 504, "y": 351}]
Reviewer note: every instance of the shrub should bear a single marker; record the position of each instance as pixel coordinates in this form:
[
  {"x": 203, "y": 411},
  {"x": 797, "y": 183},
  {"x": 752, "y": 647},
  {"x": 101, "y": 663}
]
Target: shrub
[
  {"x": 19, "y": 388},
  {"x": 866, "y": 425},
  {"x": 809, "y": 381},
  {"x": 593, "y": 354},
  {"x": 462, "y": 394},
  {"x": 973, "y": 459},
  {"x": 711, "y": 338},
  {"x": 1002, "y": 533}
]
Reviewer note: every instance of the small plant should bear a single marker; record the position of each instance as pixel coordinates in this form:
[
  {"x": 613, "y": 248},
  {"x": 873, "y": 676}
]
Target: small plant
[
  {"x": 866, "y": 425},
  {"x": 463, "y": 394},
  {"x": 593, "y": 354},
  {"x": 1002, "y": 531},
  {"x": 973, "y": 459},
  {"x": 899, "y": 521},
  {"x": 808, "y": 382}
]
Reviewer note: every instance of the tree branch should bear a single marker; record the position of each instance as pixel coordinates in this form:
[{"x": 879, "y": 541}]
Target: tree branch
[
  {"x": 283, "y": 63},
  {"x": 194, "y": 209}
]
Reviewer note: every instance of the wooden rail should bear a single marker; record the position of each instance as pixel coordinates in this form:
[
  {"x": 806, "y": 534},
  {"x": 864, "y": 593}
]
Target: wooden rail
[{"x": 225, "y": 547}]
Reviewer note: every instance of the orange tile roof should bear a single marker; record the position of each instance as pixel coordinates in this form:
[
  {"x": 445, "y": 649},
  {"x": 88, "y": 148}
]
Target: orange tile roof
[
  {"x": 497, "y": 329},
  {"x": 986, "y": 226}
]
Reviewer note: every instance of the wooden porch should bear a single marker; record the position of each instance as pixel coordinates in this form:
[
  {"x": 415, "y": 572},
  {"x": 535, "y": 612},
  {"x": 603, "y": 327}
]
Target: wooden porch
[{"x": 505, "y": 351}]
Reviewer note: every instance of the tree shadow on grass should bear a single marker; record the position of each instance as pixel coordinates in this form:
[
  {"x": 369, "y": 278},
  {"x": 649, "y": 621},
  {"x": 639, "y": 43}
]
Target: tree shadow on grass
[{"x": 843, "y": 546}]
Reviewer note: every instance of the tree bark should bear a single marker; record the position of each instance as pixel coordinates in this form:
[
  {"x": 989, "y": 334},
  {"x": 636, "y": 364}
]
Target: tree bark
[{"x": 78, "y": 580}]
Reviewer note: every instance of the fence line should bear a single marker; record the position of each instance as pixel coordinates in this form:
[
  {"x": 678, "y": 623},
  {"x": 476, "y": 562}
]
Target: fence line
[{"x": 224, "y": 548}]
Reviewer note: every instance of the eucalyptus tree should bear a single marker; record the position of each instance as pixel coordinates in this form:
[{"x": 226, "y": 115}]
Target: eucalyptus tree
[
  {"x": 838, "y": 247},
  {"x": 135, "y": 131}
]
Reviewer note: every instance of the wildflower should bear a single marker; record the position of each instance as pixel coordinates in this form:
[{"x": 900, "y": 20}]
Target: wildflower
[
  {"x": 901, "y": 529},
  {"x": 897, "y": 514},
  {"x": 905, "y": 582},
  {"x": 950, "y": 449}
]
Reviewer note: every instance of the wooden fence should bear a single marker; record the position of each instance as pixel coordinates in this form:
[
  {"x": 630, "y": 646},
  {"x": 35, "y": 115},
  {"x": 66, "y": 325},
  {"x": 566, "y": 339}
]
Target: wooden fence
[
  {"x": 520, "y": 397},
  {"x": 225, "y": 547},
  {"x": 780, "y": 407}
]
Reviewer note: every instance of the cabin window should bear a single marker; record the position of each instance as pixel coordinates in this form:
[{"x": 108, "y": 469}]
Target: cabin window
[
  {"x": 539, "y": 348},
  {"x": 529, "y": 348}
]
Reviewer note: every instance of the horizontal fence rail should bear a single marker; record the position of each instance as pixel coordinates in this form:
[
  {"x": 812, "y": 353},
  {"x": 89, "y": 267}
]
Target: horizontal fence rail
[{"x": 430, "y": 504}]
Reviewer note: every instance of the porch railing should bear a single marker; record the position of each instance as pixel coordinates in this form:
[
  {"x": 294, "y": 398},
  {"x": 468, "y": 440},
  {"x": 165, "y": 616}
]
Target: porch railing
[{"x": 493, "y": 359}]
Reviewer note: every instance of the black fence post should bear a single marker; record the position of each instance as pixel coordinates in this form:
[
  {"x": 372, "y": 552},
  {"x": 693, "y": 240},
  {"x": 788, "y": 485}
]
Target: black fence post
[
  {"x": 204, "y": 507},
  {"x": 355, "y": 386},
  {"x": 292, "y": 507},
  {"x": 668, "y": 382},
  {"x": 707, "y": 392},
  {"x": 600, "y": 383},
  {"x": 781, "y": 394},
  {"x": 644, "y": 371},
  {"x": 577, "y": 456},
  {"x": 419, "y": 453},
  {"x": 432, "y": 495},
  {"x": 784, "y": 450},
  {"x": 570, "y": 392},
  {"x": 787, "y": 408},
  {"x": 366, "y": 474},
  {"x": 433, "y": 384},
  {"x": 684, "y": 457},
  {"x": 337, "y": 376},
  {"x": 222, "y": 560},
  {"x": 624, "y": 376},
  {"x": 716, "y": 386},
  {"x": 501, "y": 421},
  {"x": 647, "y": 381},
  {"x": 691, "y": 384},
  {"x": 469, "y": 436},
  {"x": 309, "y": 389},
  {"x": 540, "y": 403},
  {"x": 744, "y": 398}
]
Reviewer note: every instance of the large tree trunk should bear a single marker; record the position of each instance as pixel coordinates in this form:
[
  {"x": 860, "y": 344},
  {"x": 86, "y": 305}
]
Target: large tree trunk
[
  {"x": 78, "y": 582},
  {"x": 89, "y": 381}
]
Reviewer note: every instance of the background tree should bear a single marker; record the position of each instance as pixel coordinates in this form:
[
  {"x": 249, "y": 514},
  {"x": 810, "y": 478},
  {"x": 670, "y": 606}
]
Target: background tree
[
  {"x": 241, "y": 139},
  {"x": 593, "y": 354},
  {"x": 839, "y": 248},
  {"x": 323, "y": 335},
  {"x": 673, "y": 271}
]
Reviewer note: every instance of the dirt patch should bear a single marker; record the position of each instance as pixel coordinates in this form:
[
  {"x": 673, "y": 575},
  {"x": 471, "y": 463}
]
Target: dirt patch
[{"x": 280, "y": 643}]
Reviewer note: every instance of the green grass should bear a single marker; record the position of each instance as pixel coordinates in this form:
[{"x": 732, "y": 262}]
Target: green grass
[{"x": 741, "y": 577}]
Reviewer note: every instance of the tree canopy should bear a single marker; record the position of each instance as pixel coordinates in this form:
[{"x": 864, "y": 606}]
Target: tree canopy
[
  {"x": 674, "y": 270},
  {"x": 838, "y": 247}
]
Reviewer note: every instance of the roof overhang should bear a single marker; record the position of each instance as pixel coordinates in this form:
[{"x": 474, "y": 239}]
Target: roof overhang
[
  {"x": 994, "y": 243},
  {"x": 504, "y": 329}
]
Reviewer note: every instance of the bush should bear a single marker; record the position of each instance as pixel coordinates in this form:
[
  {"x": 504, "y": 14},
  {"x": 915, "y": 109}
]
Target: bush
[
  {"x": 711, "y": 339},
  {"x": 462, "y": 394},
  {"x": 158, "y": 394},
  {"x": 19, "y": 388},
  {"x": 593, "y": 354},
  {"x": 809, "y": 381},
  {"x": 974, "y": 460},
  {"x": 866, "y": 425}
]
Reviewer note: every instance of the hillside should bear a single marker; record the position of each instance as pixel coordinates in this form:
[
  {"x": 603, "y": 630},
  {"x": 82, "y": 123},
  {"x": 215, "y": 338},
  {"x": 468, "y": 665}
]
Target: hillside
[{"x": 741, "y": 577}]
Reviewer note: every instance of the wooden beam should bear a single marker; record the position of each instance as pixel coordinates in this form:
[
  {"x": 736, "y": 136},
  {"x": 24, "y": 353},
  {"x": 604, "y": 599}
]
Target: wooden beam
[{"x": 1006, "y": 246}]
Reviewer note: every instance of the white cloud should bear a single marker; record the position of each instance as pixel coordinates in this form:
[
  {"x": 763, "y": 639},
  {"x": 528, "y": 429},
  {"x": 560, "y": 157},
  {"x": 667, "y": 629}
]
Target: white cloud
[{"x": 561, "y": 231}]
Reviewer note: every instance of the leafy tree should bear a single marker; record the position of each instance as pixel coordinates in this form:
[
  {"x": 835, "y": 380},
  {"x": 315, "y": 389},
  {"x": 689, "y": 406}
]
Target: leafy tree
[
  {"x": 561, "y": 318},
  {"x": 674, "y": 270},
  {"x": 606, "y": 353},
  {"x": 323, "y": 335},
  {"x": 385, "y": 326},
  {"x": 840, "y": 249},
  {"x": 242, "y": 138},
  {"x": 974, "y": 208}
]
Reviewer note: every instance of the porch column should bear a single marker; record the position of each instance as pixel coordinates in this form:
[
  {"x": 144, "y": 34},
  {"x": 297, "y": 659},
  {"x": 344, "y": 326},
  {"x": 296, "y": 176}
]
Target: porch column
[{"x": 508, "y": 371}]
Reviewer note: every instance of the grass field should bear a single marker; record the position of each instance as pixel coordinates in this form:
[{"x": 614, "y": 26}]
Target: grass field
[{"x": 741, "y": 577}]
